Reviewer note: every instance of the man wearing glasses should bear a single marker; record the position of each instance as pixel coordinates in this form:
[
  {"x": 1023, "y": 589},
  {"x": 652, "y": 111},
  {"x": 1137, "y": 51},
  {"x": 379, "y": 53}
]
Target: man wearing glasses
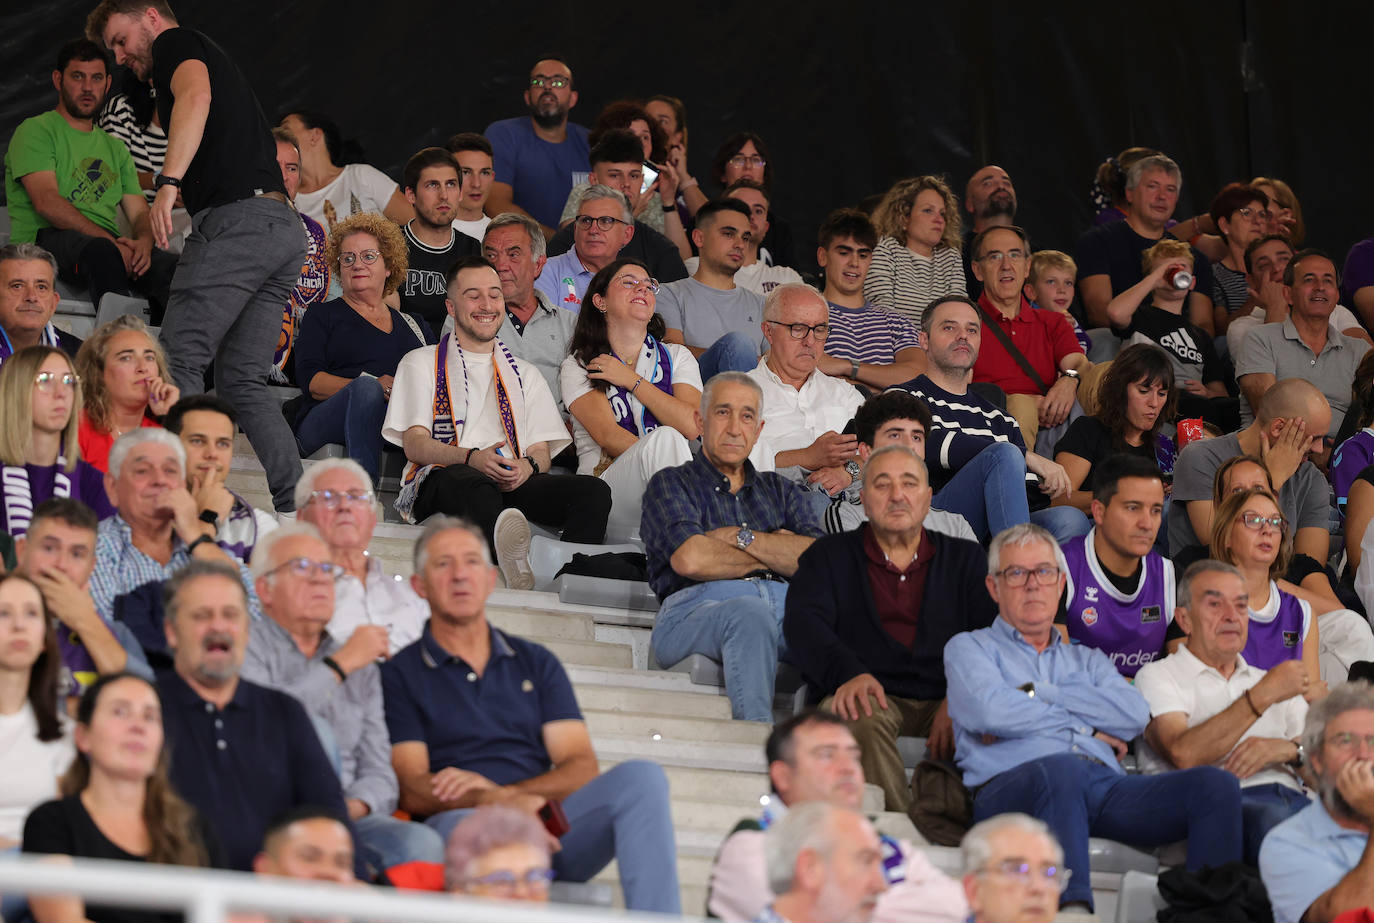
[
  {"x": 617, "y": 163},
  {"x": 338, "y": 683},
  {"x": 1037, "y": 360},
  {"x": 604, "y": 224},
  {"x": 535, "y": 156},
  {"x": 1040, "y": 726},
  {"x": 805, "y": 408},
  {"x": 1210, "y": 707},
  {"x": 1318, "y": 863},
  {"x": 1013, "y": 870}
]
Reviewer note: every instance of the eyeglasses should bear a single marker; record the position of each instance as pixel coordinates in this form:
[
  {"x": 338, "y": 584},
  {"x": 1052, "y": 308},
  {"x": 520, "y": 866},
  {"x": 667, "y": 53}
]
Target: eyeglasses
[
  {"x": 799, "y": 331},
  {"x": 539, "y": 81},
  {"x": 1257, "y": 522},
  {"x": 367, "y": 256},
  {"x": 605, "y": 222},
  {"x": 745, "y": 160},
  {"x": 1017, "y": 576},
  {"x": 1023, "y": 873},
  {"x": 1345, "y": 740},
  {"x": 307, "y": 569},
  {"x": 506, "y": 881},
  {"x": 1248, "y": 212},
  {"x": 630, "y": 283},
  {"x": 996, "y": 256},
  {"x": 333, "y": 499},
  {"x": 46, "y": 381}
]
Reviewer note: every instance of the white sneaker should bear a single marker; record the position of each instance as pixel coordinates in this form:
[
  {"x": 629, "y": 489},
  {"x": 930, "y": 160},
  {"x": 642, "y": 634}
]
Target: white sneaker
[
  {"x": 286, "y": 519},
  {"x": 512, "y": 535}
]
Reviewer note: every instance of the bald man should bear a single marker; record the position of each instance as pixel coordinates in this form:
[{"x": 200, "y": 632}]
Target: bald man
[{"x": 1292, "y": 420}]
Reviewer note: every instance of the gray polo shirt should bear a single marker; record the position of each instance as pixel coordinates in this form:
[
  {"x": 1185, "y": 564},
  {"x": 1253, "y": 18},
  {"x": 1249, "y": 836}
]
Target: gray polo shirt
[
  {"x": 706, "y": 314},
  {"x": 1303, "y": 499},
  {"x": 352, "y": 710},
  {"x": 1277, "y": 349},
  {"x": 545, "y": 341}
]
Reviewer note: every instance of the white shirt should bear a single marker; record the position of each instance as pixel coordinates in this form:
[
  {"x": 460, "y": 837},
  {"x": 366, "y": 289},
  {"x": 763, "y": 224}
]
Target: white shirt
[
  {"x": 574, "y": 384},
  {"x": 30, "y": 768},
  {"x": 359, "y": 188},
  {"x": 1182, "y": 683},
  {"x": 412, "y": 401},
  {"x": 386, "y": 599},
  {"x": 474, "y": 229},
  {"x": 793, "y": 418},
  {"x": 758, "y": 276}
]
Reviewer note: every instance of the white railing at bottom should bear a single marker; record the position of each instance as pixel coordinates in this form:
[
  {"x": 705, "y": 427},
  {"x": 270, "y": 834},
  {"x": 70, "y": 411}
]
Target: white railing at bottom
[{"x": 206, "y": 896}]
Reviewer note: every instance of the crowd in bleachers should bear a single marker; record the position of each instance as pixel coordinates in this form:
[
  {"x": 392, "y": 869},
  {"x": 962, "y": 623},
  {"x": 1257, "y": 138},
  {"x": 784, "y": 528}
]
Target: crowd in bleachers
[{"x": 1093, "y": 526}]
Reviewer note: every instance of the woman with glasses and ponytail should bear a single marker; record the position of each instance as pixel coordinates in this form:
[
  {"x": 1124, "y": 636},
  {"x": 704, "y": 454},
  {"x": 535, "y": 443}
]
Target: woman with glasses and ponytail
[
  {"x": 39, "y": 452},
  {"x": 633, "y": 399}
]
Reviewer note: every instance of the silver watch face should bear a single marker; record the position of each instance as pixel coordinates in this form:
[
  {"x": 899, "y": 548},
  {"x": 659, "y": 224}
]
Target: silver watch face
[
  {"x": 745, "y": 537},
  {"x": 852, "y": 469}
]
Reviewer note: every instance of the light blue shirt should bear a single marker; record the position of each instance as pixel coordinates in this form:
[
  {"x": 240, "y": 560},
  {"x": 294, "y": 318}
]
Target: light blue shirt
[
  {"x": 564, "y": 279},
  {"x": 1304, "y": 857},
  {"x": 1077, "y": 692}
]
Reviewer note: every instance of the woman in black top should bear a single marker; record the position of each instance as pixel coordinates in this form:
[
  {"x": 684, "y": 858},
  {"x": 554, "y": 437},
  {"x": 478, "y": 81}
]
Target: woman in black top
[
  {"x": 117, "y": 801},
  {"x": 1135, "y": 399},
  {"x": 348, "y": 348}
]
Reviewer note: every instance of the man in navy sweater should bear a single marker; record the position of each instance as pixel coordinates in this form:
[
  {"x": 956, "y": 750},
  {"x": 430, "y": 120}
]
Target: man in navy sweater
[{"x": 870, "y": 611}]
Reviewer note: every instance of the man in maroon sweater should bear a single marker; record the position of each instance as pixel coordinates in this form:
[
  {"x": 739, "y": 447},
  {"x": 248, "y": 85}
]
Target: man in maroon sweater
[{"x": 870, "y": 612}]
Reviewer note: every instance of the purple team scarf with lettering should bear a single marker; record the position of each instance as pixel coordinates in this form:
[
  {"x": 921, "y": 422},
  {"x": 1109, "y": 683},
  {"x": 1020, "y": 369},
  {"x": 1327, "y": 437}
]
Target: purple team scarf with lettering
[{"x": 661, "y": 377}]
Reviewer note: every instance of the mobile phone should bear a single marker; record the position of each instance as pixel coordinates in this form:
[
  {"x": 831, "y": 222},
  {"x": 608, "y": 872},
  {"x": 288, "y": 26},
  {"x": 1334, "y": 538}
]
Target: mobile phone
[
  {"x": 650, "y": 177},
  {"x": 555, "y": 821}
]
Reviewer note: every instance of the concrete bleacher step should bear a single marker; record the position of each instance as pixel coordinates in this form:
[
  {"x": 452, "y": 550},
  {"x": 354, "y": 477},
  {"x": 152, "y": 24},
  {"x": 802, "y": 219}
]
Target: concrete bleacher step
[
  {"x": 589, "y": 653},
  {"x": 542, "y": 601},
  {"x": 656, "y": 729},
  {"x": 543, "y": 626},
  {"x": 652, "y": 701},
  {"x": 742, "y": 757}
]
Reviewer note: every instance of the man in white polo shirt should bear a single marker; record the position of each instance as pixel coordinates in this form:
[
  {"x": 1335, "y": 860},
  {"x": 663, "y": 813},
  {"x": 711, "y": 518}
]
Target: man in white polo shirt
[
  {"x": 806, "y": 409},
  {"x": 1208, "y": 706}
]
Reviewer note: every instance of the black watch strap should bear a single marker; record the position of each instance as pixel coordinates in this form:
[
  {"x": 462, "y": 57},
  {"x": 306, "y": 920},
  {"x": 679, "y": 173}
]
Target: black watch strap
[
  {"x": 534, "y": 465},
  {"x": 196, "y": 543},
  {"x": 164, "y": 180},
  {"x": 334, "y": 665},
  {"x": 210, "y": 517}
]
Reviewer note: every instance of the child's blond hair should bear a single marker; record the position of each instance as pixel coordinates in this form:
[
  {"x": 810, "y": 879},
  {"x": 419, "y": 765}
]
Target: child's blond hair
[{"x": 1045, "y": 260}]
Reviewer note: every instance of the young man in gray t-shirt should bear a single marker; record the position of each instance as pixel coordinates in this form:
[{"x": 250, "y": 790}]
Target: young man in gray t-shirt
[{"x": 719, "y": 322}]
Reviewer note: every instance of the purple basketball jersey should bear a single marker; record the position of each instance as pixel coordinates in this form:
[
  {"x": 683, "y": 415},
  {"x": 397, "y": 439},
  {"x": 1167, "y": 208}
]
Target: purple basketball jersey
[
  {"x": 1129, "y": 629},
  {"x": 1271, "y": 643}
]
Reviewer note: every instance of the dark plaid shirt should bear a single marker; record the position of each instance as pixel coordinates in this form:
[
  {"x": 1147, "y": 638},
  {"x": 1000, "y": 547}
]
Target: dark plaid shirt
[{"x": 694, "y": 498}]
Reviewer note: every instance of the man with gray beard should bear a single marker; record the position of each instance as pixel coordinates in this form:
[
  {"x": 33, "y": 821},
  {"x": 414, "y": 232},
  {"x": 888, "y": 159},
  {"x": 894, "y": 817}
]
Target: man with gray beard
[{"x": 1318, "y": 864}]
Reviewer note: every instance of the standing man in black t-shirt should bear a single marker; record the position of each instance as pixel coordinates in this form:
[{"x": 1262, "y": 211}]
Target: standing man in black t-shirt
[
  {"x": 246, "y": 247},
  {"x": 431, "y": 183},
  {"x": 1108, "y": 257}
]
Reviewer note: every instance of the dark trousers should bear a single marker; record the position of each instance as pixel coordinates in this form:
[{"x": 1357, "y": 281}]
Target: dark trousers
[
  {"x": 97, "y": 264},
  {"x": 577, "y": 504}
]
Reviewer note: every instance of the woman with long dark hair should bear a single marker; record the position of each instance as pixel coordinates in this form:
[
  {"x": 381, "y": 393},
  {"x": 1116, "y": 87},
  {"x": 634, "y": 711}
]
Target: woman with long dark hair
[
  {"x": 117, "y": 801},
  {"x": 1136, "y": 397},
  {"x": 633, "y": 399},
  {"x": 334, "y": 185}
]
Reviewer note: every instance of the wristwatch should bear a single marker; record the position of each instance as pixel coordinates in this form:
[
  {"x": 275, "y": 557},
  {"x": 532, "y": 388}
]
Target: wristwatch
[
  {"x": 1301, "y": 758},
  {"x": 164, "y": 180},
  {"x": 210, "y": 517},
  {"x": 534, "y": 465},
  {"x": 744, "y": 538},
  {"x": 1028, "y": 689},
  {"x": 1072, "y": 373},
  {"x": 852, "y": 469},
  {"x": 853, "y": 370}
]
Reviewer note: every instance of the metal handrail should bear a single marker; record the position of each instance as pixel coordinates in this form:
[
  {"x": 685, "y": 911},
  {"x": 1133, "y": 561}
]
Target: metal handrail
[{"x": 205, "y": 896}]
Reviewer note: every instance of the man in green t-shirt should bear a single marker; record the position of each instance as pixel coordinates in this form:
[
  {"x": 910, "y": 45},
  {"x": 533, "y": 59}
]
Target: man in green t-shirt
[{"x": 66, "y": 180}]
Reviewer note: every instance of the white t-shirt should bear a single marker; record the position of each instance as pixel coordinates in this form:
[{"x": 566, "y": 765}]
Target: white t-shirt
[
  {"x": 359, "y": 188},
  {"x": 412, "y": 401},
  {"x": 574, "y": 383},
  {"x": 1182, "y": 683},
  {"x": 29, "y": 768},
  {"x": 474, "y": 229}
]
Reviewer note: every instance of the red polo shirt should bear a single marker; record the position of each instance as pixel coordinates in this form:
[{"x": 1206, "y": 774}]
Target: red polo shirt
[
  {"x": 1044, "y": 338},
  {"x": 897, "y": 594}
]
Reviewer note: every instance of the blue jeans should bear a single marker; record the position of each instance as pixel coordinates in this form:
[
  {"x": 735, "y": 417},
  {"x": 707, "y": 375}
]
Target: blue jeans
[
  {"x": 1263, "y": 807},
  {"x": 1079, "y": 798},
  {"x": 237, "y": 270},
  {"x": 622, "y": 814},
  {"x": 389, "y": 841},
  {"x": 739, "y": 623},
  {"x": 13, "y": 905},
  {"x": 990, "y": 492},
  {"x": 352, "y": 415},
  {"x": 733, "y": 352}
]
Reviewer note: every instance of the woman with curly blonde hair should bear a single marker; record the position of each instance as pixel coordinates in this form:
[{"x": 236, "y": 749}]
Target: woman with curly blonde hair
[
  {"x": 123, "y": 372},
  {"x": 348, "y": 348},
  {"x": 917, "y": 258}
]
